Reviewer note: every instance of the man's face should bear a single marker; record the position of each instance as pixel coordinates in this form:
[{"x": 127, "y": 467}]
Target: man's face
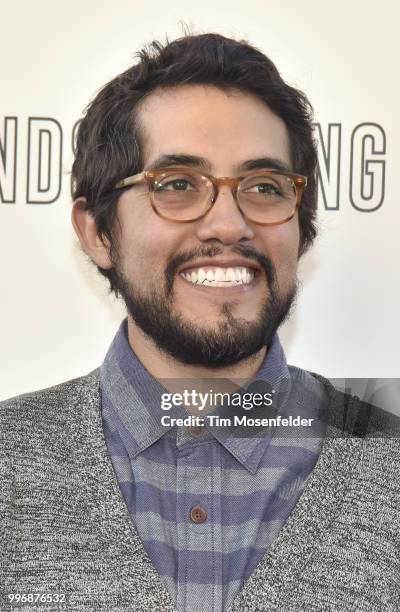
[{"x": 201, "y": 324}]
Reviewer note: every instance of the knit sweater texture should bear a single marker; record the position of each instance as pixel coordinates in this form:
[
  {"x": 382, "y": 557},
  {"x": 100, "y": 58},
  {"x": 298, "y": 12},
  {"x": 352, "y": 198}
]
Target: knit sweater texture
[{"x": 65, "y": 528}]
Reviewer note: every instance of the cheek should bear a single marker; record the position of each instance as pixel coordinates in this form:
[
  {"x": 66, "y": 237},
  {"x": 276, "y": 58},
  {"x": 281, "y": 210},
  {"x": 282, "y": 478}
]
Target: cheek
[
  {"x": 283, "y": 247},
  {"x": 146, "y": 246},
  {"x": 141, "y": 255},
  {"x": 139, "y": 246}
]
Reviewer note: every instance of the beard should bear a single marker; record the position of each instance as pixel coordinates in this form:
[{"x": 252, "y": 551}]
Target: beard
[{"x": 231, "y": 341}]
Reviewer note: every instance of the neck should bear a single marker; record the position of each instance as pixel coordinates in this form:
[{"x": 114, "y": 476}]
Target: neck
[{"x": 163, "y": 366}]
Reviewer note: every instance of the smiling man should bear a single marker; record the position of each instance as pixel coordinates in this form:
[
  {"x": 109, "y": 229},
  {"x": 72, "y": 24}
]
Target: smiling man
[
  {"x": 194, "y": 195},
  {"x": 207, "y": 272}
]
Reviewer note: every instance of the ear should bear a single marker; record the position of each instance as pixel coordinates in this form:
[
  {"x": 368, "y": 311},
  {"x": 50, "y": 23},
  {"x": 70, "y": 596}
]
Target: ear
[{"x": 94, "y": 245}]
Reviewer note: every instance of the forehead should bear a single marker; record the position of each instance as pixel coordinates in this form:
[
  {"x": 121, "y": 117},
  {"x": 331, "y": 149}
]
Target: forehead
[{"x": 226, "y": 127}]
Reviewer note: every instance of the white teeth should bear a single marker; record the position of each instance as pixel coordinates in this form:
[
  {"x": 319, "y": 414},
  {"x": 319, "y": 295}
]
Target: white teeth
[
  {"x": 220, "y": 277},
  {"x": 230, "y": 275},
  {"x": 200, "y": 275}
]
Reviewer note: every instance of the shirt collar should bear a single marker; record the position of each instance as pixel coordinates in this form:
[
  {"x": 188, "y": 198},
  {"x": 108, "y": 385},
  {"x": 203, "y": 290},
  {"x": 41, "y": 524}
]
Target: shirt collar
[{"x": 133, "y": 399}]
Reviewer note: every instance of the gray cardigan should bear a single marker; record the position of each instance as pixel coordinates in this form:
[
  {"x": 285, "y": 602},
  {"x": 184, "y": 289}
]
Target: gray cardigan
[{"x": 65, "y": 528}]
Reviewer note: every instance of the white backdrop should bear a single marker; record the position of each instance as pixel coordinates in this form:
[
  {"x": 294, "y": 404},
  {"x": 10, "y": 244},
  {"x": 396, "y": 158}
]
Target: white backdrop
[{"x": 56, "y": 319}]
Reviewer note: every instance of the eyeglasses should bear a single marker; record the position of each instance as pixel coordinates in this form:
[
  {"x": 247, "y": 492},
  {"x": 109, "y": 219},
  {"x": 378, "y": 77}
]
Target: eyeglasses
[{"x": 180, "y": 194}]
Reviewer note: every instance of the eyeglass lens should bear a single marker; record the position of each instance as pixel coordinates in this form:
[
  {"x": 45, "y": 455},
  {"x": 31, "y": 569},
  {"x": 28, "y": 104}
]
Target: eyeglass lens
[{"x": 262, "y": 196}]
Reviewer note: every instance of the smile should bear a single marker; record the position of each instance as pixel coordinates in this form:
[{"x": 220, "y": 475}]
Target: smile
[{"x": 214, "y": 276}]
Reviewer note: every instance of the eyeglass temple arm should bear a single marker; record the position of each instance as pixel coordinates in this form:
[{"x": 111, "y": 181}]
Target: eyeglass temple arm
[{"x": 131, "y": 180}]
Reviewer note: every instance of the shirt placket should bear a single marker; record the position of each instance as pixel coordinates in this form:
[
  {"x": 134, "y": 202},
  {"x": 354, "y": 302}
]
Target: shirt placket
[{"x": 198, "y": 517}]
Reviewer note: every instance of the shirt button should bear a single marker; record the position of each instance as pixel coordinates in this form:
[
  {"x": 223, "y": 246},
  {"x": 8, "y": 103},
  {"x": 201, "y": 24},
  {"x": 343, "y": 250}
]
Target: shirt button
[
  {"x": 198, "y": 515},
  {"x": 196, "y": 430}
]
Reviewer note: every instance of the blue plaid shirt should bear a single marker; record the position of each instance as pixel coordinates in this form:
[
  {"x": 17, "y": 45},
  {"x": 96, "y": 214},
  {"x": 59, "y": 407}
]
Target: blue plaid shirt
[{"x": 243, "y": 487}]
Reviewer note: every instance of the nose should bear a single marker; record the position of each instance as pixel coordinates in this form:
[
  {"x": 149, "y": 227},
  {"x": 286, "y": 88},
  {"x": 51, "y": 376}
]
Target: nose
[{"x": 224, "y": 221}]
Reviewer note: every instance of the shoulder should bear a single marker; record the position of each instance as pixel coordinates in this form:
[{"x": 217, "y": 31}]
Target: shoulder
[
  {"x": 351, "y": 408},
  {"x": 375, "y": 427},
  {"x": 42, "y": 412},
  {"x": 68, "y": 390}
]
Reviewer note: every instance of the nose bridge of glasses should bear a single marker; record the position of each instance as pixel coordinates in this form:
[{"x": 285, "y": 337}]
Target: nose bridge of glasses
[{"x": 231, "y": 183}]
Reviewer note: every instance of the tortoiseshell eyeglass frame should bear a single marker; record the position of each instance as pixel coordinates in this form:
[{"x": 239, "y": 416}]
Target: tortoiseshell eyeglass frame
[{"x": 151, "y": 176}]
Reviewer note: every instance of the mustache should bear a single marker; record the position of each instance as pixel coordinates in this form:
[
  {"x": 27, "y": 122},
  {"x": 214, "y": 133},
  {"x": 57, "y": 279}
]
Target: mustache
[{"x": 210, "y": 251}]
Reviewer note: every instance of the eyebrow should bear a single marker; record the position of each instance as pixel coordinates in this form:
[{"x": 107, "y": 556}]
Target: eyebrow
[{"x": 195, "y": 161}]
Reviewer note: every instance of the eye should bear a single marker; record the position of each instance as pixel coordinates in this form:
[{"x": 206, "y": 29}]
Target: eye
[
  {"x": 269, "y": 186},
  {"x": 175, "y": 183},
  {"x": 264, "y": 188}
]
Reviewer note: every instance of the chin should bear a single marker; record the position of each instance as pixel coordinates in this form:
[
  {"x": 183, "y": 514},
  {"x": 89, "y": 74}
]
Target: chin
[{"x": 208, "y": 321}]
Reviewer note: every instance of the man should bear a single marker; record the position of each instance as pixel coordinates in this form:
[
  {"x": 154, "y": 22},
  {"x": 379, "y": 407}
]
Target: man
[{"x": 194, "y": 195}]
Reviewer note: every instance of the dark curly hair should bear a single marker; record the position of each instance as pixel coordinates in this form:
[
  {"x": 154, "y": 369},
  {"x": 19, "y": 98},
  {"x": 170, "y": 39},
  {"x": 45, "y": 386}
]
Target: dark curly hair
[{"x": 108, "y": 146}]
